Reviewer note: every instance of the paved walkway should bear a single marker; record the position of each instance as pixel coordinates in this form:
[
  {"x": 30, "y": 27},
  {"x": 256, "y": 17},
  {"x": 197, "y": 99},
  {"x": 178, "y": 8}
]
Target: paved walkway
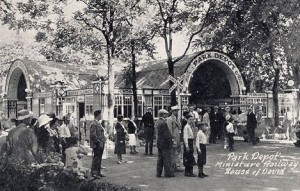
[{"x": 269, "y": 175}]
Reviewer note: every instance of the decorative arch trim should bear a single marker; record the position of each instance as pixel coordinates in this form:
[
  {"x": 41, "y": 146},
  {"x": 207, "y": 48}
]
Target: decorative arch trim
[
  {"x": 231, "y": 70},
  {"x": 15, "y": 71}
]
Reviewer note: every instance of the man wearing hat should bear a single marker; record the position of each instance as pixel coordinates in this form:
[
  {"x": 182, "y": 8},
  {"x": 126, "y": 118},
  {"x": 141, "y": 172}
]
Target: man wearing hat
[
  {"x": 148, "y": 124},
  {"x": 174, "y": 127},
  {"x": 251, "y": 125},
  {"x": 164, "y": 145},
  {"x": 21, "y": 141}
]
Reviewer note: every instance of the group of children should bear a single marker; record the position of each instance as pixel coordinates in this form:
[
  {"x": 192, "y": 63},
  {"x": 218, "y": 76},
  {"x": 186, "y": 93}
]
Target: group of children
[{"x": 201, "y": 140}]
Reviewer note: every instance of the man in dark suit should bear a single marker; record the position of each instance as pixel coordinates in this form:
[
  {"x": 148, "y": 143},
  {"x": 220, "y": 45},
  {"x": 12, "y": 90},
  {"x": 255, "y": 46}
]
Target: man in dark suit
[
  {"x": 215, "y": 124},
  {"x": 164, "y": 145},
  {"x": 97, "y": 139},
  {"x": 251, "y": 125},
  {"x": 148, "y": 122}
]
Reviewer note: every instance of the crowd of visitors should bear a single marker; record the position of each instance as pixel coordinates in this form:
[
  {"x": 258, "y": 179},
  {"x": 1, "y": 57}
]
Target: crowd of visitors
[{"x": 179, "y": 135}]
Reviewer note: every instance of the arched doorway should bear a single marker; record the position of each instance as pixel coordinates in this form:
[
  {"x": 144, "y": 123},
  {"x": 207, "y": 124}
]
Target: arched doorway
[
  {"x": 16, "y": 84},
  {"x": 212, "y": 78}
]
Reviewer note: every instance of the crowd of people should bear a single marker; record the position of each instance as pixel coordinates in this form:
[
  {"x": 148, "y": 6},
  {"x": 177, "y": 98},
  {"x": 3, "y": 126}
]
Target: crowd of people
[
  {"x": 43, "y": 140},
  {"x": 179, "y": 135}
]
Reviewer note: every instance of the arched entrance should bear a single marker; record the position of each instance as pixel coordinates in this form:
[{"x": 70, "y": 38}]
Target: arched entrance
[
  {"x": 212, "y": 77},
  {"x": 16, "y": 84}
]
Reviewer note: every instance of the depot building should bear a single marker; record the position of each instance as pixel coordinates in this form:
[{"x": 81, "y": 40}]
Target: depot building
[{"x": 208, "y": 78}]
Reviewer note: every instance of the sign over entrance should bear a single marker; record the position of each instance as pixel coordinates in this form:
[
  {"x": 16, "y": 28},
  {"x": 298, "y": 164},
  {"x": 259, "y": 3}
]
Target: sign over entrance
[{"x": 232, "y": 72}]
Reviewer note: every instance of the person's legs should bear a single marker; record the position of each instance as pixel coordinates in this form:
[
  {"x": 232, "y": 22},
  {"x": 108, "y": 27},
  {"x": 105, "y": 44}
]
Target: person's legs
[
  {"x": 151, "y": 144},
  {"x": 96, "y": 163},
  {"x": 230, "y": 141},
  {"x": 146, "y": 143},
  {"x": 167, "y": 161},
  {"x": 131, "y": 149},
  {"x": 200, "y": 169},
  {"x": 160, "y": 163}
]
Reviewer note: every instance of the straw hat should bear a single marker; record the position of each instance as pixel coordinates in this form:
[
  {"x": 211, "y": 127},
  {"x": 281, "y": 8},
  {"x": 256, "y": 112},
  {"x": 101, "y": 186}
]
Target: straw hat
[{"x": 23, "y": 114}]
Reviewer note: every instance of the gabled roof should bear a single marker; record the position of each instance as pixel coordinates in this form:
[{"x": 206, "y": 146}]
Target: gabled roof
[
  {"x": 154, "y": 75},
  {"x": 42, "y": 74}
]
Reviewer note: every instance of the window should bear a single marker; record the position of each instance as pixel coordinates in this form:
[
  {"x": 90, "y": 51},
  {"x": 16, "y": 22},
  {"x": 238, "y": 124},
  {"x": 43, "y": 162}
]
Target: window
[
  {"x": 167, "y": 103},
  {"x": 147, "y": 102},
  {"x": 89, "y": 110},
  {"x": 140, "y": 106},
  {"x": 59, "y": 104},
  {"x": 127, "y": 101},
  {"x": 158, "y": 104},
  {"x": 185, "y": 100},
  {"x": 42, "y": 105},
  {"x": 118, "y": 105}
]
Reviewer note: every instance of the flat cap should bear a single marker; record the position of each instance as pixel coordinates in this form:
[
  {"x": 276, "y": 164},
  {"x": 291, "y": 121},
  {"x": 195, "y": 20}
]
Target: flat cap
[{"x": 162, "y": 111}]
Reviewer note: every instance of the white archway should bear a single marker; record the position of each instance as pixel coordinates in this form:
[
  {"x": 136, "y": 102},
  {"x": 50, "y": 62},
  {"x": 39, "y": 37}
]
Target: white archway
[
  {"x": 12, "y": 81},
  {"x": 232, "y": 72}
]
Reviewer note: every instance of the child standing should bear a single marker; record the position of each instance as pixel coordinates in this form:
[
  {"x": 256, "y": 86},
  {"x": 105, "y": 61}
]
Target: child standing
[
  {"x": 132, "y": 131},
  {"x": 230, "y": 134},
  {"x": 201, "y": 142}
]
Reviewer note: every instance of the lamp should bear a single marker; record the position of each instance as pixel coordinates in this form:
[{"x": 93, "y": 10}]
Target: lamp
[
  {"x": 244, "y": 90},
  {"x": 29, "y": 96}
]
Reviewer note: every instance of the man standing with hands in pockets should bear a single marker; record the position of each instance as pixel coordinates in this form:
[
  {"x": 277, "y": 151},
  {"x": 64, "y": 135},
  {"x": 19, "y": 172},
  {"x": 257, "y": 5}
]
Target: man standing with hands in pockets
[{"x": 97, "y": 137}]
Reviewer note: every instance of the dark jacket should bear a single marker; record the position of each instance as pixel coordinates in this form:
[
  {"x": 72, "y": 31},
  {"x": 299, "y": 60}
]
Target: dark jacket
[
  {"x": 22, "y": 145},
  {"x": 148, "y": 121},
  {"x": 164, "y": 136},
  {"x": 97, "y": 137},
  {"x": 215, "y": 119},
  {"x": 251, "y": 121},
  {"x": 121, "y": 134},
  {"x": 131, "y": 127}
]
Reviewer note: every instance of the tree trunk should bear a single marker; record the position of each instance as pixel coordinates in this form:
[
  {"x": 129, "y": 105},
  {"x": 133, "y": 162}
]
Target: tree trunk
[
  {"x": 171, "y": 72},
  {"x": 133, "y": 79},
  {"x": 296, "y": 74},
  {"x": 111, "y": 85},
  {"x": 275, "y": 97}
]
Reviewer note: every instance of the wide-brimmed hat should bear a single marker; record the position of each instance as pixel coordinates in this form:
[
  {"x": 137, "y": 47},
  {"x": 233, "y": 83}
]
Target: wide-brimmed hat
[
  {"x": 23, "y": 114},
  {"x": 174, "y": 108},
  {"x": 162, "y": 111},
  {"x": 44, "y": 119},
  {"x": 216, "y": 107}
]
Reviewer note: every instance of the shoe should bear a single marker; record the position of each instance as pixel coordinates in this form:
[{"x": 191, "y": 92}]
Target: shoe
[
  {"x": 132, "y": 153},
  {"x": 101, "y": 175},
  {"x": 103, "y": 167},
  {"x": 169, "y": 176},
  {"x": 136, "y": 152},
  {"x": 200, "y": 176},
  {"x": 151, "y": 155},
  {"x": 119, "y": 162},
  {"x": 96, "y": 176},
  {"x": 192, "y": 175},
  {"x": 158, "y": 176},
  {"x": 146, "y": 154},
  {"x": 205, "y": 175},
  {"x": 123, "y": 161}
]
